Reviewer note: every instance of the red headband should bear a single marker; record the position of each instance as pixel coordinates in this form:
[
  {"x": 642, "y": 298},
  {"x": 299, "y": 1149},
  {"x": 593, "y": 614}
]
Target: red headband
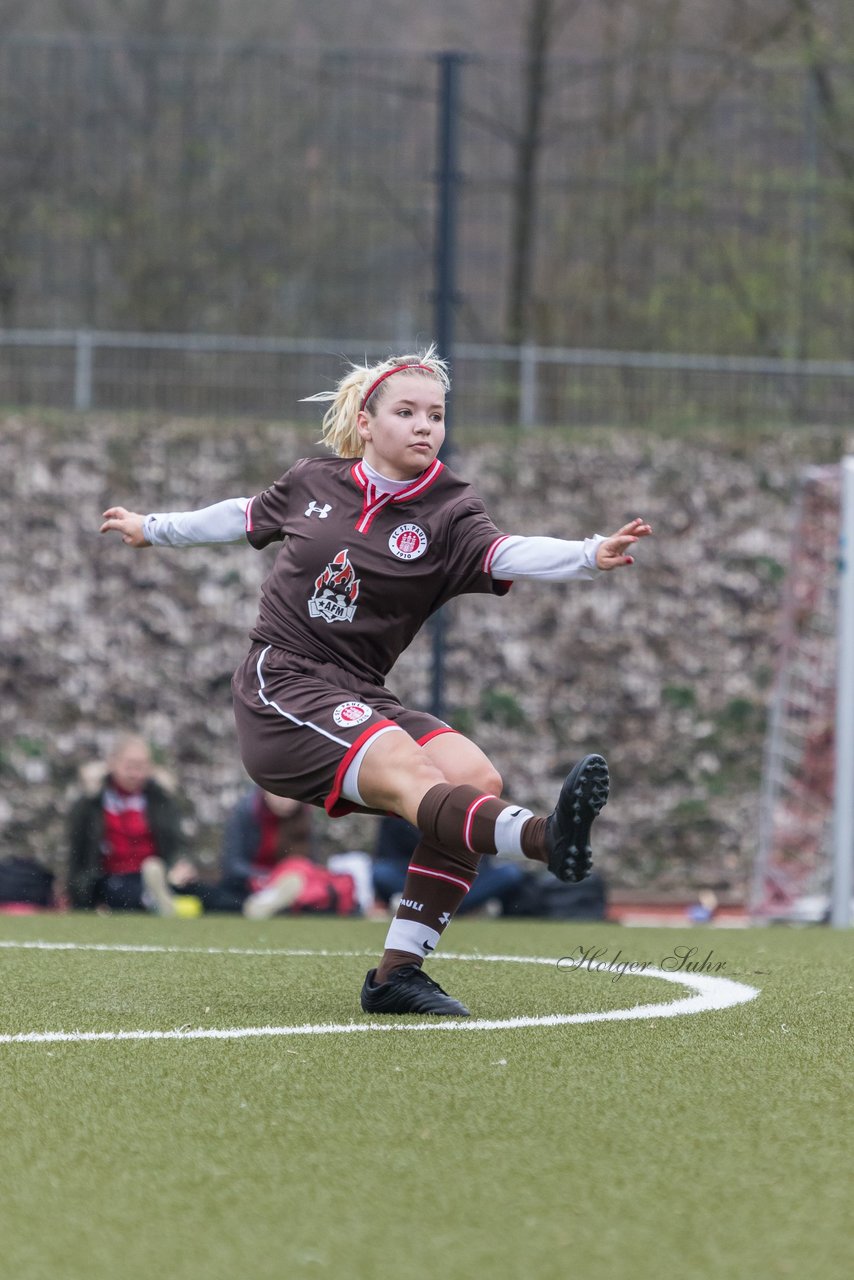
[{"x": 398, "y": 368}]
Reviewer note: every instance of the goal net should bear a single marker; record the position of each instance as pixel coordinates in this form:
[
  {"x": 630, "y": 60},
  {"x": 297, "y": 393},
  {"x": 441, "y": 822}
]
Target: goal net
[{"x": 799, "y": 825}]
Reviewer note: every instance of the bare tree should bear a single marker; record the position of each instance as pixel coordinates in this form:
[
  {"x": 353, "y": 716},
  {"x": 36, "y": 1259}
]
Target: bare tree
[
  {"x": 543, "y": 23},
  {"x": 25, "y": 150},
  {"x": 648, "y": 118},
  {"x": 836, "y": 112}
]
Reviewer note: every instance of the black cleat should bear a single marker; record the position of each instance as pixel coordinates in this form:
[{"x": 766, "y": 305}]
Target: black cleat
[
  {"x": 582, "y": 795},
  {"x": 409, "y": 990}
]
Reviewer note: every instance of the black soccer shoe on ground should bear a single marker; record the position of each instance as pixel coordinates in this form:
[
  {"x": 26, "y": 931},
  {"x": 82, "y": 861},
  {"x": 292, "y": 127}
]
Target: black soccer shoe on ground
[
  {"x": 409, "y": 990},
  {"x": 582, "y": 795}
]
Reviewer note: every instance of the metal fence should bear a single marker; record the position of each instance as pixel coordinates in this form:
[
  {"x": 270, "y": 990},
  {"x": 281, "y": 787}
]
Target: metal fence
[
  {"x": 660, "y": 206},
  {"x": 525, "y": 385}
]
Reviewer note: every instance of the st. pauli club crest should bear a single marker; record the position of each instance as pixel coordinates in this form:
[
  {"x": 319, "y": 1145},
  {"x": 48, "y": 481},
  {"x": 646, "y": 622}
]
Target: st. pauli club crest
[
  {"x": 335, "y": 591},
  {"x": 408, "y": 542},
  {"x": 347, "y": 714}
]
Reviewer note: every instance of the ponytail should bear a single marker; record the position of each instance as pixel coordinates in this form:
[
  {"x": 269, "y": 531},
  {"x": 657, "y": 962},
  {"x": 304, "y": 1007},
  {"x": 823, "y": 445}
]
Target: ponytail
[{"x": 361, "y": 388}]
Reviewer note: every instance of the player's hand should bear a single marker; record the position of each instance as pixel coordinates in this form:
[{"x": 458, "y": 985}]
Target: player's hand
[
  {"x": 613, "y": 552},
  {"x": 127, "y": 523}
]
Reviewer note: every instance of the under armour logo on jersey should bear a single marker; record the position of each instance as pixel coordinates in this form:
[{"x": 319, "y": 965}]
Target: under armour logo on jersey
[
  {"x": 313, "y": 509},
  {"x": 445, "y": 917}
]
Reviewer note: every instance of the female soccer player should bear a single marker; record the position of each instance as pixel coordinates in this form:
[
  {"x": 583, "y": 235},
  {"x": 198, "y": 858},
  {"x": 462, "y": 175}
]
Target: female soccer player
[{"x": 375, "y": 540}]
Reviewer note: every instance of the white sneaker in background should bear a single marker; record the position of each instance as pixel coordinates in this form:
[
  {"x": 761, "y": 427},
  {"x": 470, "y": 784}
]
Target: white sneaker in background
[
  {"x": 156, "y": 895},
  {"x": 276, "y": 897}
]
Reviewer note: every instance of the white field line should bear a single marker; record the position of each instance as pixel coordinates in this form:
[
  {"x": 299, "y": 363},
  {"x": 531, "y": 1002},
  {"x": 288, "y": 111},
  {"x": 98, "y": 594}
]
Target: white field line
[
  {"x": 710, "y": 993},
  {"x": 145, "y": 949}
]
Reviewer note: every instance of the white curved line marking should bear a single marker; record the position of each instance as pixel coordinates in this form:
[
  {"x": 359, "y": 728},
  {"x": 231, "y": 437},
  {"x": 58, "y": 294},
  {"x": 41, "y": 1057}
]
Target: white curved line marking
[{"x": 710, "y": 993}]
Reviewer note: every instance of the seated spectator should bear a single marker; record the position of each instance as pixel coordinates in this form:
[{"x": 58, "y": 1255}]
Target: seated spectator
[
  {"x": 270, "y": 864},
  {"x": 124, "y": 833},
  {"x": 497, "y": 882}
]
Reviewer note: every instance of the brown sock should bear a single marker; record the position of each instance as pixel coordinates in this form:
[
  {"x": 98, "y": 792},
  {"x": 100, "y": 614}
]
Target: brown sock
[
  {"x": 395, "y": 960},
  {"x": 460, "y": 819},
  {"x": 436, "y": 883},
  {"x": 534, "y": 840}
]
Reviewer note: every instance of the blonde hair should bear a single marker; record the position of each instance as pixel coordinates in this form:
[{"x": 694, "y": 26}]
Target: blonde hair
[
  {"x": 124, "y": 742},
  {"x": 340, "y": 422}
]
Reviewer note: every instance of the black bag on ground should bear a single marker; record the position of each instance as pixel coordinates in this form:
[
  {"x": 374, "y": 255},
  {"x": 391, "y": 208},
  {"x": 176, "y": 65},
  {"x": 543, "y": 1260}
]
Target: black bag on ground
[
  {"x": 544, "y": 897},
  {"x": 24, "y": 880}
]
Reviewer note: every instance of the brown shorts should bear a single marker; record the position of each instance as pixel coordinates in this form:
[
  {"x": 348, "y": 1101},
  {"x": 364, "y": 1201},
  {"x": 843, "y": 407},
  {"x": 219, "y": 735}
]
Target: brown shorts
[{"x": 300, "y": 723}]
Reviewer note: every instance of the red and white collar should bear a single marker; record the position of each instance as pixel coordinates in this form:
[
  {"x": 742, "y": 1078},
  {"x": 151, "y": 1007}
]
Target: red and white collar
[{"x": 378, "y": 496}]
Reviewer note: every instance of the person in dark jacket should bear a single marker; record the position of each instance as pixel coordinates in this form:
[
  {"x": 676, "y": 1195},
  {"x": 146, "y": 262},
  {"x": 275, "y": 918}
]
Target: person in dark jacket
[
  {"x": 260, "y": 831},
  {"x": 270, "y": 864},
  {"x": 124, "y": 834}
]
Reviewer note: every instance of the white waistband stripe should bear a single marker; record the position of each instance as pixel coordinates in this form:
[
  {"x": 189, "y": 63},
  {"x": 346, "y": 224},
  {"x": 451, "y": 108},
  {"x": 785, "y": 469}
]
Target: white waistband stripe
[{"x": 301, "y": 724}]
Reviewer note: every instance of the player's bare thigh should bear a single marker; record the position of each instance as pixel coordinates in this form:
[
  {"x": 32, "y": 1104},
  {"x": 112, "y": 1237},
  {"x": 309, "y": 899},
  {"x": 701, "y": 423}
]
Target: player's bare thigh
[
  {"x": 396, "y": 773},
  {"x": 462, "y": 761}
]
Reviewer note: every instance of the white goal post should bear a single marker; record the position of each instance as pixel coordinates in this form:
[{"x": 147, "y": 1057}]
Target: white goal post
[{"x": 804, "y": 869}]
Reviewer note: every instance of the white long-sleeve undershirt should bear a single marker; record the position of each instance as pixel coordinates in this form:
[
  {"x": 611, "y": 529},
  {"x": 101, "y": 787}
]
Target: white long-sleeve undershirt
[
  {"x": 516, "y": 557},
  {"x": 223, "y": 522},
  {"x": 545, "y": 559}
]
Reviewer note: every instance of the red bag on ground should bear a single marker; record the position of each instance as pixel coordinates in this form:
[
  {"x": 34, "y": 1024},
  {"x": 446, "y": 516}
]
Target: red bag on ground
[{"x": 321, "y": 890}]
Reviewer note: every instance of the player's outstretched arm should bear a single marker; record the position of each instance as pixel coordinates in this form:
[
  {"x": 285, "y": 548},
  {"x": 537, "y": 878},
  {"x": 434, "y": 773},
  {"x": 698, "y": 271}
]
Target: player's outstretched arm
[
  {"x": 614, "y": 551},
  {"x": 559, "y": 559},
  {"x": 223, "y": 522},
  {"x": 127, "y": 523}
]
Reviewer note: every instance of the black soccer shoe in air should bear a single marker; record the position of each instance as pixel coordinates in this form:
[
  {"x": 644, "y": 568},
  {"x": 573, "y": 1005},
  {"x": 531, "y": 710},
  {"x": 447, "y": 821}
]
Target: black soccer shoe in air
[
  {"x": 582, "y": 795},
  {"x": 409, "y": 990}
]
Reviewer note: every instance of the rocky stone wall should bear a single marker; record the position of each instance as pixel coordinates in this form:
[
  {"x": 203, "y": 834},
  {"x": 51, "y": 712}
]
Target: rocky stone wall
[{"x": 665, "y": 667}]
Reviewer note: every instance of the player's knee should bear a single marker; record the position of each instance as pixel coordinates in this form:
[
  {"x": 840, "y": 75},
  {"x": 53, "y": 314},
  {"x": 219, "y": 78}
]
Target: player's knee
[{"x": 489, "y": 780}]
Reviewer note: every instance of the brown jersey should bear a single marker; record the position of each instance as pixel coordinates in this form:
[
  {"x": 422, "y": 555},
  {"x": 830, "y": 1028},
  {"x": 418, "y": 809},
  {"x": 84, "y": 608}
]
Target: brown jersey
[{"x": 360, "y": 572}]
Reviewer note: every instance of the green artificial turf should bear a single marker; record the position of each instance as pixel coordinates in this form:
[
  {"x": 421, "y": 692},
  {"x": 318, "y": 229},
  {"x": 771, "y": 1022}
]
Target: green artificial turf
[{"x": 710, "y": 1145}]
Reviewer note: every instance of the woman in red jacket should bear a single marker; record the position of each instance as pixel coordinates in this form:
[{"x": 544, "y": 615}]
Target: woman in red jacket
[{"x": 124, "y": 835}]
